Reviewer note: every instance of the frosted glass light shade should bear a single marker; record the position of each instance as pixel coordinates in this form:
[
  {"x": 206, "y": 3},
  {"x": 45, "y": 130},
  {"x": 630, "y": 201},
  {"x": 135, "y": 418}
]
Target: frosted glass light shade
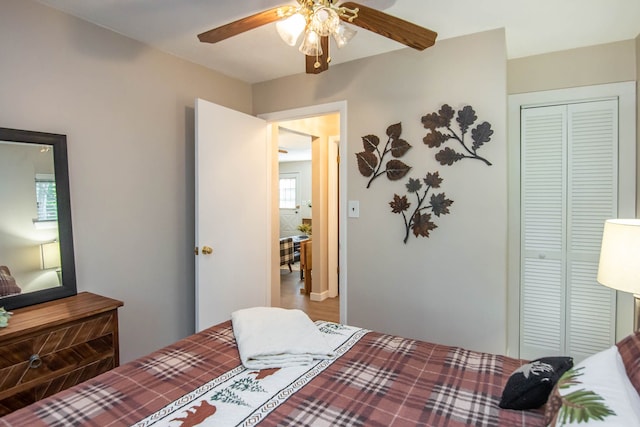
[
  {"x": 290, "y": 28},
  {"x": 619, "y": 266},
  {"x": 324, "y": 21},
  {"x": 311, "y": 44},
  {"x": 343, "y": 34}
]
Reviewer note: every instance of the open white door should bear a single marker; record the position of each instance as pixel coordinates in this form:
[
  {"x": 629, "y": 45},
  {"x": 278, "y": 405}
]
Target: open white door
[{"x": 232, "y": 213}]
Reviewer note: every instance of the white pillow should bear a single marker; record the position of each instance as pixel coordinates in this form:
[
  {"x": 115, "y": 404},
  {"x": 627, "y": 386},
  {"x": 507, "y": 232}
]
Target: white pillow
[{"x": 603, "y": 374}]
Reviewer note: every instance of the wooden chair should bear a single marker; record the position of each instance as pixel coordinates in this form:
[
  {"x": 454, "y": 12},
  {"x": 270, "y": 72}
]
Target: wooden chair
[{"x": 306, "y": 264}]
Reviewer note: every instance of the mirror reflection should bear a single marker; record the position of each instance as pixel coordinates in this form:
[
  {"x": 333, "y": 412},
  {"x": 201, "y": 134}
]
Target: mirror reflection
[
  {"x": 29, "y": 248},
  {"x": 36, "y": 240}
]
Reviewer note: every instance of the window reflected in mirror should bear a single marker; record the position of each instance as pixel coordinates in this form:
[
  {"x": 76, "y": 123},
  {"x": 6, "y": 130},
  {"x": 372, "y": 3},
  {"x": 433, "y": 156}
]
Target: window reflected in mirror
[{"x": 46, "y": 200}]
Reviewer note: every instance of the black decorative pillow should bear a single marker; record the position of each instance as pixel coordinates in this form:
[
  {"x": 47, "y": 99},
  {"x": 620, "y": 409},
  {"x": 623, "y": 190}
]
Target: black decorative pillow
[{"x": 529, "y": 386}]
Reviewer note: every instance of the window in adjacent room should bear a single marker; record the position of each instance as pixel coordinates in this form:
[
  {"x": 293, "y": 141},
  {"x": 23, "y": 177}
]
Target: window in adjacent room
[{"x": 287, "y": 193}]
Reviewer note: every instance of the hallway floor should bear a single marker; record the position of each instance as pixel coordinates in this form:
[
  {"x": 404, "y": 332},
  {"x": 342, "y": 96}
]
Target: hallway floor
[{"x": 290, "y": 297}]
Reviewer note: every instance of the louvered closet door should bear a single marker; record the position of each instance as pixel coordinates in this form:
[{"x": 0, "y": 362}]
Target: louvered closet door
[
  {"x": 592, "y": 199},
  {"x": 569, "y": 188},
  {"x": 544, "y": 134}
]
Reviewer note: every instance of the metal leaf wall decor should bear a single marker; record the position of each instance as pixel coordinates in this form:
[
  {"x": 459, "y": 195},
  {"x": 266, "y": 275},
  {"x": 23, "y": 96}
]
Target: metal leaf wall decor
[
  {"x": 480, "y": 135},
  {"x": 371, "y": 159},
  {"x": 419, "y": 220}
]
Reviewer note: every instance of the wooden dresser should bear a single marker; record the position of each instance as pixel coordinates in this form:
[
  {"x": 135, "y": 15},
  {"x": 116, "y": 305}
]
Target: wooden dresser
[{"x": 52, "y": 346}]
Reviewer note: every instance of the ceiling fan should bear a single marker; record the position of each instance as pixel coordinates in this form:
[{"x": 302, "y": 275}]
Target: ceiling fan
[{"x": 316, "y": 20}]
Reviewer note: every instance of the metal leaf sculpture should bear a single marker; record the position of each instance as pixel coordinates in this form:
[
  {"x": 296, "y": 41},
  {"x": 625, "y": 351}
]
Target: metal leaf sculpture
[
  {"x": 480, "y": 135},
  {"x": 370, "y": 160},
  {"x": 419, "y": 221}
]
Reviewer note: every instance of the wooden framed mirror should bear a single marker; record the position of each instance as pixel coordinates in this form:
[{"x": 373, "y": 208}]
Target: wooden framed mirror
[{"x": 36, "y": 239}]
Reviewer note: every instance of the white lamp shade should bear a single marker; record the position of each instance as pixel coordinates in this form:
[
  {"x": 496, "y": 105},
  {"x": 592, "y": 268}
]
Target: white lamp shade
[
  {"x": 619, "y": 266},
  {"x": 290, "y": 28},
  {"x": 50, "y": 255}
]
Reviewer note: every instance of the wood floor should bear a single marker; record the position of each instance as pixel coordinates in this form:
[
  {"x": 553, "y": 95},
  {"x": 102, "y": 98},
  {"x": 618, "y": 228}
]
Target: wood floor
[{"x": 290, "y": 297}]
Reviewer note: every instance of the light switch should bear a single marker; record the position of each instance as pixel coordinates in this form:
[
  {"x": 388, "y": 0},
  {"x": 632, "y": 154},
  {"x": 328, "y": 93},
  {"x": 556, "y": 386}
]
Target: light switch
[{"x": 354, "y": 208}]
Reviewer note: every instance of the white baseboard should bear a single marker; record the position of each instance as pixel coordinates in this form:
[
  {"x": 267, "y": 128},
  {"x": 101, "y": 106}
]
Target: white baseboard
[{"x": 319, "y": 296}]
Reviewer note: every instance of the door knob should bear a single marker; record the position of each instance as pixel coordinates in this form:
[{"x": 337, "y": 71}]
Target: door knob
[{"x": 206, "y": 250}]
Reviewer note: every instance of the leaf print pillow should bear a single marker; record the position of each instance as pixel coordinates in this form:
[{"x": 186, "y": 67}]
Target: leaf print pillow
[{"x": 597, "y": 392}]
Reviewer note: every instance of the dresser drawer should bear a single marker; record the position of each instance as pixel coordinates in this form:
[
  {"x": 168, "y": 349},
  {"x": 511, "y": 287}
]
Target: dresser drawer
[
  {"x": 56, "y": 352},
  {"x": 52, "y": 346}
]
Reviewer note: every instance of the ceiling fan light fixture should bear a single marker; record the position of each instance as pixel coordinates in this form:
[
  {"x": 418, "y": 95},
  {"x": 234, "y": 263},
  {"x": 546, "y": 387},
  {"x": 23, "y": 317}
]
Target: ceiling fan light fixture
[
  {"x": 291, "y": 27},
  {"x": 311, "y": 44},
  {"x": 320, "y": 19},
  {"x": 343, "y": 34}
]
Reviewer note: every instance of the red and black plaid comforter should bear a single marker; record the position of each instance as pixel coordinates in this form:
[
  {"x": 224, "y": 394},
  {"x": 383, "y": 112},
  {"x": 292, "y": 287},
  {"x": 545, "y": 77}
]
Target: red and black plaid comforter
[{"x": 382, "y": 381}]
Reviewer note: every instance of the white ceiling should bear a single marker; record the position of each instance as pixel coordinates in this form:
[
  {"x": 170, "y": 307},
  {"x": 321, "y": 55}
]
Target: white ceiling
[
  {"x": 296, "y": 145},
  {"x": 531, "y": 26}
]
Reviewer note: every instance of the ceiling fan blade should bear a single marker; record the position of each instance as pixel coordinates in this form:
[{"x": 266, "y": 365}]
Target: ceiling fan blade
[
  {"x": 245, "y": 24},
  {"x": 322, "y": 60},
  {"x": 391, "y": 27}
]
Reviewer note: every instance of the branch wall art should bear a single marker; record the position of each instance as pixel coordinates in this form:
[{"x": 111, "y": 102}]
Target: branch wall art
[
  {"x": 370, "y": 160},
  {"x": 419, "y": 220},
  {"x": 480, "y": 135},
  {"x": 421, "y": 203}
]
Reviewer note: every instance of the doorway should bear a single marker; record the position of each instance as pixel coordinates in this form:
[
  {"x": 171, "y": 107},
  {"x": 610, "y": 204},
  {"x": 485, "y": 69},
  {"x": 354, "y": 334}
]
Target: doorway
[
  {"x": 328, "y": 183},
  {"x": 306, "y": 174}
]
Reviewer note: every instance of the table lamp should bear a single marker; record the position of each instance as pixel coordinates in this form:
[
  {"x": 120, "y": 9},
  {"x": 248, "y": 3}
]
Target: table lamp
[
  {"x": 619, "y": 266},
  {"x": 50, "y": 255}
]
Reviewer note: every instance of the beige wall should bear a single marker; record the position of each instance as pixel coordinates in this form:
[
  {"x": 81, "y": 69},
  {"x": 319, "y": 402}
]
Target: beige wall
[
  {"x": 128, "y": 113},
  {"x": 451, "y": 287},
  {"x": 607, "y": 63}
]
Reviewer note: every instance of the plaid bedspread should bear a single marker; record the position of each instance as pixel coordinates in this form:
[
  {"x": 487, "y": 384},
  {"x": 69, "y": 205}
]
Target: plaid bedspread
[{"x": 382, "y": 380}]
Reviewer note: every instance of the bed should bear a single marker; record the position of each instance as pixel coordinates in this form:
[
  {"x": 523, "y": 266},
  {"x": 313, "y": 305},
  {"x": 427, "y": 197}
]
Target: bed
[{"x": 374, "y": 380}]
